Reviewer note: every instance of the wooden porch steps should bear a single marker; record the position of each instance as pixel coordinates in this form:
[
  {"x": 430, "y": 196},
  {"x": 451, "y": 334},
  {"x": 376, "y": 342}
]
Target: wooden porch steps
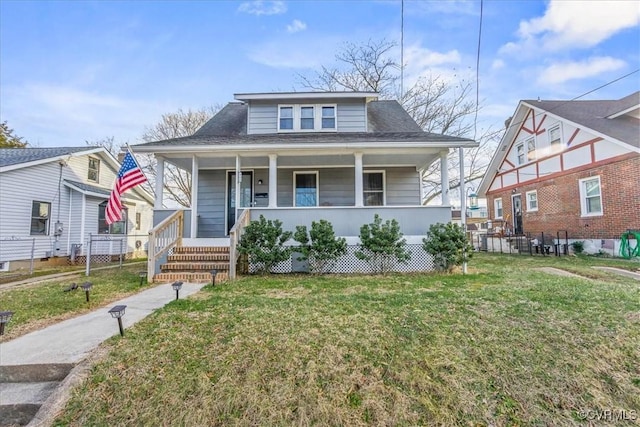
[{"x": 193, "y": 264}]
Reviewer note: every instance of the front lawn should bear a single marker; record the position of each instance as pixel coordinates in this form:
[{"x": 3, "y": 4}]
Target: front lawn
[{"x": 504, "y": 345}]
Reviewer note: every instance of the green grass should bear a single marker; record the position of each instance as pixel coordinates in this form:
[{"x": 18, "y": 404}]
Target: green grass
[
  {"x": 39, "y": 305},
  {"x": 504, "y": 345}
]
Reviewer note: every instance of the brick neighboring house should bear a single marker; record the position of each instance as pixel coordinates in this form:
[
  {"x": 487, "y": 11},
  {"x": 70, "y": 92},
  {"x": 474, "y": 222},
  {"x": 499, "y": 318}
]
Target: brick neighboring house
[{"x": 568, "y": 165}]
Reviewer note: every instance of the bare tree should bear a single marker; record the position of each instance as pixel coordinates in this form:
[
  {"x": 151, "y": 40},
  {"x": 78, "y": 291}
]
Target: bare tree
[
  {"x": 436, "y": 105},
  {"x": 177, "y": 182},
  {"x": 109, "y": 143}
]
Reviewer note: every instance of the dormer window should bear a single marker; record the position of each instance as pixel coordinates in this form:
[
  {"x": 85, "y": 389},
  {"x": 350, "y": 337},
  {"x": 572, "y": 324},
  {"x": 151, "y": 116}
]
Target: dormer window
[
  {"x": 306, "y": 118},
  {"x": 285, "y": 119}
]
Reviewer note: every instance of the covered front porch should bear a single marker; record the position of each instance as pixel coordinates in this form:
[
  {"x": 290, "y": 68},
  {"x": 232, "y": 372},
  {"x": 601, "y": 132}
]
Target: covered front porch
[{"x": 299, "y": 187}]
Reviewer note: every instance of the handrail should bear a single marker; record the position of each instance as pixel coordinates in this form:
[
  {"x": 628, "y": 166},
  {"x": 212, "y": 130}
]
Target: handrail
[
  {"x": 164, "y": 236},
  {"x": 234, "y": 238}
]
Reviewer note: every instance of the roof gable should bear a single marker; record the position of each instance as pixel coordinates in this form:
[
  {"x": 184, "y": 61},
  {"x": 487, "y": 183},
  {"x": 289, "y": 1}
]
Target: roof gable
[{"x": 16, "y": 156}]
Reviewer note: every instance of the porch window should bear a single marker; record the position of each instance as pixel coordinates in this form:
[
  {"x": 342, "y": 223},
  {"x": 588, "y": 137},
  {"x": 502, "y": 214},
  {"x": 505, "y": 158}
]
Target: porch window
[
  {"x": 305, "y": 188},
  {"x": 532, "y": 201},
  {"x": 94, "y": 169},
  {"x": 285, "y": 118},
  {"x": 307, "y": 118},
  {"x": 590, "y": 196},
  {"x": 497, "y": 204},
  {"x": 119, "y": 227},
  {"x": 40, "y": 214},
  {"x": 373, "y": 187}
]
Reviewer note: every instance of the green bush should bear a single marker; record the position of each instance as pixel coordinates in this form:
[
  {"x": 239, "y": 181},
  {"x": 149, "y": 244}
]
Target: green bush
[
  {"x": 320, "y": 247},
  {"x": 263, "y": 242},
  {"x": 448, "y": 245},
  {"x": 382, "y": 245},
  {"x": 578, "y": 246}
]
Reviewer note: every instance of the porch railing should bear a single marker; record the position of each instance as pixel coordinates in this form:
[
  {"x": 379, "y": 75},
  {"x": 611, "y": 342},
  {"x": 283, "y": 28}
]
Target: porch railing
[
  {"x": 234, "y": 238},
  {"x": 162, "y": 238}
]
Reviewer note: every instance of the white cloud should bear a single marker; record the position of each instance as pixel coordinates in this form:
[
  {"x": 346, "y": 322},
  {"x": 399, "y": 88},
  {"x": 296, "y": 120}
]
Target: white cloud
[
  {"x": 67, "y": 116},
  {"x": 574, "y": 24},
  {"x": 565, "y": 71},
  {"x": 301, "y": 52},
  {"x": 296, "y": 26},
  {"x": 263, "y": 7},
  {"x": 497, "y": 64},
  {"x": 422, "y": 62}
]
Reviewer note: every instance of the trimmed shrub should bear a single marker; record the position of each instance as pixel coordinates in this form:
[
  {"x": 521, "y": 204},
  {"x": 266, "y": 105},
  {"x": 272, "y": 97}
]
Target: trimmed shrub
[
  {"x": 263, "y": 242},
  {"x": 448, "y": 245},
  {"x": 382, "y": 245},
  {"x": 320, "y": 247}
]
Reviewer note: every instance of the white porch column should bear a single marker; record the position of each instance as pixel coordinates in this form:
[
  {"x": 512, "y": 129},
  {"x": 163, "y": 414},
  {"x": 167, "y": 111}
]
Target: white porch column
[
  {"x": 194, "y": 197},
  {"x": 358, "y": 177},
  {"x": 444, "y": 177},
  {"x": 159, "y": 183},
  {"x": 238, "y": 185},
  {"x": 273, "y": 180}
]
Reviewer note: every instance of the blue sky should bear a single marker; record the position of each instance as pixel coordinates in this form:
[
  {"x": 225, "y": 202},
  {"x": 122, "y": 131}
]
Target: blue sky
[{"x": 76, "y": 71}]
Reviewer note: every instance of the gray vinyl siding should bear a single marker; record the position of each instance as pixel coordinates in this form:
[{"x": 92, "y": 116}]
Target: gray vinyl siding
[
  {"x": 336, "y": 186},
  {"x": 352, "y": 117},
  {"x": 403, "y": 188},
  {"x": 211, "y": 203},
  {"x": 263, "y": 115}
]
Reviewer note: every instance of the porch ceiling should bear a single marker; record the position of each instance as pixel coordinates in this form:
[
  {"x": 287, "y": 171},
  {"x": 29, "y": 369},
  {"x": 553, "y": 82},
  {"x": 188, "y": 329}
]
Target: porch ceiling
[{"x": 415, "y": 157}]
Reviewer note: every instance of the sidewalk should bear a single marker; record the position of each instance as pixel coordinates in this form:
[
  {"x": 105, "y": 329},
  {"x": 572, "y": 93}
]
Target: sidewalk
[{"x": 26, "y": 362}]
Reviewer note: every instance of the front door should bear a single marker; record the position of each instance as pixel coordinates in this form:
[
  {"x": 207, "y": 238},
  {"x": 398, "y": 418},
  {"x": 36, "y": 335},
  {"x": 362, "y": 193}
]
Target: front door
[
  {"x": 246, "y": 195},
  {"x": 517, "y": 213}
]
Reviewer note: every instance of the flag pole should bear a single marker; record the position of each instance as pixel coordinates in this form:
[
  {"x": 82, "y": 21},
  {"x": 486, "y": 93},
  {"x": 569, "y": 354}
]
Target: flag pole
[{"x": 136, "y": 160}]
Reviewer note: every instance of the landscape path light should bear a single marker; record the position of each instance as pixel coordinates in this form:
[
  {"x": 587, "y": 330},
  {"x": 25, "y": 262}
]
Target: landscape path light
[
  {"x": 176, "y": 287},
  {"x": 143, "y": 276},
  {"x": 85, "y": 287},
  {"x": 117, "y": 312},
  {"x": 5, "y": 316},
  {"x": 214, "y": 273}
]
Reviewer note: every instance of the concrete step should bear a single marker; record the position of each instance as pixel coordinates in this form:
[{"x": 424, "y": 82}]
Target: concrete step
[
  {"x": 34, "y": 372},
  {"x": 20, "y": 402}
]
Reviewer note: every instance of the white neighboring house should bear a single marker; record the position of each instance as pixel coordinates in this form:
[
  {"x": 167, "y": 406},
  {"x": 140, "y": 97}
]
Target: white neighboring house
[{"x": 56, "y": 197}]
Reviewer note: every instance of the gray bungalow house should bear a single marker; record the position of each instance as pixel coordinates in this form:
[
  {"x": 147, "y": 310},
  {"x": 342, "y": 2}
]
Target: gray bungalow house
[{"x": 297, "y": 157}]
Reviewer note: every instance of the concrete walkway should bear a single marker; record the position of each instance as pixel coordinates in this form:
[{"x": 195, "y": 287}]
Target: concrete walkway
[{"x": 32, "y": 366}]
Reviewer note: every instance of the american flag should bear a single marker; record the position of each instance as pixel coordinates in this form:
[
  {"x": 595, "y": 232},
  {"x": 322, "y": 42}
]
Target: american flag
[{"x": 128, "y": 177}]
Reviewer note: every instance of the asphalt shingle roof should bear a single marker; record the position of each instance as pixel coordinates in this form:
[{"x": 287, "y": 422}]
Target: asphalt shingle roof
[
  {"x": 14, "y": 156},
  {"x": 593, "y": 115},
  {"x": 89, "y": 188}
]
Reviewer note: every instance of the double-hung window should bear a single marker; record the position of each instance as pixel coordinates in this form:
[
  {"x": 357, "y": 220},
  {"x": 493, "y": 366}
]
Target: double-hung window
[
  {"x": 532, "y": 201},
  {"x": 555, "y": 136},
  {"x": 328, "y": 117},
  {"x": 40, "y": 215},
  {"x": 118, "y": 227},
  {"x": 590, "y": 196},
  {"x": 305, "y": 188},
  {"x": 285, "y": 118},
  {"x": 373, "y": 188},
  {"x": 520, "y": 153},
  {"x": 94, "y": 169},
  {"x": 497, "y": 205},
  {"x": 307, "y": 117},
  {"x": 531, "y": 149}
]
